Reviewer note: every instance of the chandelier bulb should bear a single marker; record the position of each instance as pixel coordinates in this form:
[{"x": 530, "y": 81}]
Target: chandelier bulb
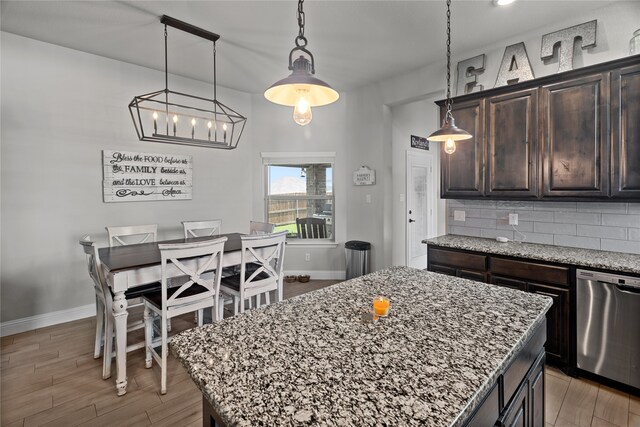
[
  {"x": 450, "y": 146},
  {"x": 209, "y": 124},
  {"x": 155, "y": 115},
  {"x": 175, "y": 118}
]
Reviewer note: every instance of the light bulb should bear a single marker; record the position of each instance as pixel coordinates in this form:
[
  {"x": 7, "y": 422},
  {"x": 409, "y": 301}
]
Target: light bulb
[
  {"x": 450, "y": 146},
  {"x": 193, "y": 122},
  {"x": 209, "y": 125},
  {"x": 175, "y": 118},
  {"x": 302, "y": 112},
  {"x": 155, "y": 115},
  {"x": 224, "y": 126}
]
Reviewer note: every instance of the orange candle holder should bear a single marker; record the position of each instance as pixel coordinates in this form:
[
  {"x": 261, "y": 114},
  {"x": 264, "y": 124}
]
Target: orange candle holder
[{"x": 381, "y": 306}]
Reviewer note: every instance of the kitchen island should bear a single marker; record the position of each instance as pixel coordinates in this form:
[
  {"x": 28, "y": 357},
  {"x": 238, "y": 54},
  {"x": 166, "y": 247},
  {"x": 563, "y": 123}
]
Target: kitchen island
[{"x": 450, "y": 350}]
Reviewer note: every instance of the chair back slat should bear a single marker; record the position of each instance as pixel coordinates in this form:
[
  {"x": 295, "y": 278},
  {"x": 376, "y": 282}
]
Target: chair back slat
[
  {"x": 132, "y": 234},
  {"x": 312, "y": 228},
  {"x": 181, "y": 256},
  {"x": 268, "y": 258},
  {"x": 257, "y": 227},
  {"x": 201, "y": 228},
  {"x": 94, "y": 266}
]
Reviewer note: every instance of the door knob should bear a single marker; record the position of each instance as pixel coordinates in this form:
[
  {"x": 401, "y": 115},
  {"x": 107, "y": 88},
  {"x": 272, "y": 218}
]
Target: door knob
[{"x": 411, "y": 220}]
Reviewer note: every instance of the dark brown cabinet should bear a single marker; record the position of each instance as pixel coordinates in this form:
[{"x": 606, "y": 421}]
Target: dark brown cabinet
[
  {"x": 625, "y": 132},
  {"x": 512, "y": 145},
  {"x": 569, "y": 136},
  {"x": 463, "y": 171},
  {"x": 549, "y": 280},
  {"x": 575, "y": 143}
]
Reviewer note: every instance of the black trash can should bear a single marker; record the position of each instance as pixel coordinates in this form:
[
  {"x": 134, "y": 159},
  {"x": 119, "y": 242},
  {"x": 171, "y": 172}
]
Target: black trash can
[{"x": 358, "y": 254}]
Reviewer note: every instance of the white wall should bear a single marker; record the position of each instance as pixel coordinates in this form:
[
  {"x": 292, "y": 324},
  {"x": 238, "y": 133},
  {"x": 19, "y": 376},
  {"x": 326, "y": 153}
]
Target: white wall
[{"x": 60, "y": 109}]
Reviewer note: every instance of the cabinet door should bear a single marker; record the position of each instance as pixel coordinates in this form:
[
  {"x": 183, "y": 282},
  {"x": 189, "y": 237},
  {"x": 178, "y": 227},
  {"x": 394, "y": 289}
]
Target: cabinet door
[
  {"x": 557, "y": 345},
  {"x": 536, "y": 393},
  {"x": 508, "y": 283},
  {"x": 517, "y": 415},
  {"x": 512, "y": 145},
  {"x": 575, "y": 137},
  {"x": 462, "y": 172},
  {"x": 625, "y": 132},
  {"x": 478, "y": 276}
]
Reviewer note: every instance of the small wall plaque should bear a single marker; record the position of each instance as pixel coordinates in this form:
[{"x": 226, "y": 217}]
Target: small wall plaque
[
  {"x": 419, "y": 142},
  {"x": 364, "y": 176}
]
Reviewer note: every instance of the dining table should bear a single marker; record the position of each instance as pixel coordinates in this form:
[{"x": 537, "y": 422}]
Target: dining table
[{"x": 131, "y": 266}]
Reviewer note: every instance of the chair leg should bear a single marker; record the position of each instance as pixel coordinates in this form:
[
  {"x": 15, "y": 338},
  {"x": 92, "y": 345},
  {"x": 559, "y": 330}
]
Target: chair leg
[
  {"x": 236, "y": 305},
  {"x": 169, "y": 324},
  {"x": 200, "y": 317},
  {"x": 148, "y": 336},
  {"x": 97, "y": 350},
  {"x": 267, "y": 298},
  {"x": 163, "y": 378},
  {"x": 107, "y": 351}
]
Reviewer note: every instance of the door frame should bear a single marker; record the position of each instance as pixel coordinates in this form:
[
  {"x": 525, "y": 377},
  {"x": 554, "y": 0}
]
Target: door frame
[{"x": 432, "y": 201}]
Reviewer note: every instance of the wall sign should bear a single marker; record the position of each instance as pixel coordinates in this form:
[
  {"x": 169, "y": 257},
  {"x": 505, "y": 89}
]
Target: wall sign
[
  {"x": 419, "y": 142},
  {"x": 515, "y": 66},
  {"x": 364, "y": 176},
  {"x": 131, "y": 176}
]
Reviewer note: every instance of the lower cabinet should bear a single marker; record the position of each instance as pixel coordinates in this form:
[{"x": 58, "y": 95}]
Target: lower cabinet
[
  {"x": 517, "y": 397},
  {"x": 528, "y": 276}
]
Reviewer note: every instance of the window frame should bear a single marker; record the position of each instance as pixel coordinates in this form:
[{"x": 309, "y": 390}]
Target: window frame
[{"x": 296, "y": 159}]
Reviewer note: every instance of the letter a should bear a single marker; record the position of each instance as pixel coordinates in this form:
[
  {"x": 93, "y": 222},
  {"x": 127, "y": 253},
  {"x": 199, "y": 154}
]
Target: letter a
[{"x": 515, "y": 66}]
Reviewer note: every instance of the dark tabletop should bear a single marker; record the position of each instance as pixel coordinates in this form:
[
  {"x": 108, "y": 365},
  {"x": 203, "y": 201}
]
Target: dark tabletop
[{"x": 127, "y": 257}]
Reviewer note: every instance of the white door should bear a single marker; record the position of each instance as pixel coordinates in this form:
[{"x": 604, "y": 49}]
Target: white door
[{"x": 421, "y": 206}]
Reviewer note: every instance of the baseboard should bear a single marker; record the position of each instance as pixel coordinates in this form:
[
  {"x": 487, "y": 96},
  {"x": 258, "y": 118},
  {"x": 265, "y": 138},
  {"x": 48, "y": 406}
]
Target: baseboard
[
  {"x": 319, "y": 274},
  {"x": 42, "y": 320}
]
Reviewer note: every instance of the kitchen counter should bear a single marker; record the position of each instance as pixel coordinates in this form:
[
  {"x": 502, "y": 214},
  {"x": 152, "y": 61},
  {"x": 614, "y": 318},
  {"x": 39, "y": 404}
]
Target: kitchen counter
[
  {"x": 614, "y": 261},
  {"x": 311, "y": 360}
]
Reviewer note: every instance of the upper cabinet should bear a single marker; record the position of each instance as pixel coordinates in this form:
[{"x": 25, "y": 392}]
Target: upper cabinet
[
  {"x": 512, "y": 145},
  {"x": 569, "y": 136},
  {"x": 463, "y": 172},
  {"x": 625, "y": 132},
  {"x": 575, "y": 143}
]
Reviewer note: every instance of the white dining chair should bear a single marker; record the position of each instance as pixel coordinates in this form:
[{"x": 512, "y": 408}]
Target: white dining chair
[
  {"x": 132, "y": 234},
  {"x": 257, "y": 227},
  {"x": 104, "y": 310},
  {"x": 196, "y": 292},
  {"x": 201, "y": 228},
  {"x": 265, "y": 251}
]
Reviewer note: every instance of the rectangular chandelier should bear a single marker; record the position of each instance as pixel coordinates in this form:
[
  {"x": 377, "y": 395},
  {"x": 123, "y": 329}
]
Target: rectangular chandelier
[{"x": 178, "y": 118}]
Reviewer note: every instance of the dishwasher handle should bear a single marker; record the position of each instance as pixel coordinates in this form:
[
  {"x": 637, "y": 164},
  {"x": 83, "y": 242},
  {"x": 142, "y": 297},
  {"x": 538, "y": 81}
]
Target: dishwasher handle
[{"x": 628, "y": 289}]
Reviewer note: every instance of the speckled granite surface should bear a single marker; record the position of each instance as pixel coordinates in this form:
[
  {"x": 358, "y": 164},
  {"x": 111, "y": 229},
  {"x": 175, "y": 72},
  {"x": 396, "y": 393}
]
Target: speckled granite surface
[
  {"x": 311, "y": 361},
  {"x": 616, "y": 261}
]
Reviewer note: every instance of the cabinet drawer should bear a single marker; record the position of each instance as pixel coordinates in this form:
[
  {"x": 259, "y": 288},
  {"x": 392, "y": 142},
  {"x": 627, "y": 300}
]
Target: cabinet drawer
[
  {"x": 530, "y": 271},
  {"x": 489, "y": 410},
  {"x": 458, "y": 259}
]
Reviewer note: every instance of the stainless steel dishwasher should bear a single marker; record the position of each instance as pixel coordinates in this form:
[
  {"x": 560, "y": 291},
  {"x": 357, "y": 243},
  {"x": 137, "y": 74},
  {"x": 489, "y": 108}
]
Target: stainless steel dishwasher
[{"x": 608, "y": 325}]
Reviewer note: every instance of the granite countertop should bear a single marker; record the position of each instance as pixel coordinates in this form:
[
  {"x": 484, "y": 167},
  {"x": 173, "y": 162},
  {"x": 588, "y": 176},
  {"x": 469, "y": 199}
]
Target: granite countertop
[
  {"x": 310, "y": 360},
  {"x": 615, "y": 261}
]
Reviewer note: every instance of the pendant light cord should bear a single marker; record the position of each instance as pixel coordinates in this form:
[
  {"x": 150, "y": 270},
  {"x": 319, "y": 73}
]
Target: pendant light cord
[
  {"x": 449, "y": 101},
  {"x": 215, "y": 98}
]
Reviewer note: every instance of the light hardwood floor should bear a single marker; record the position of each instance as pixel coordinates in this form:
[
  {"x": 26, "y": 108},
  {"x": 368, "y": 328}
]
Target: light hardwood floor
[{"x": 49, "y": 377}]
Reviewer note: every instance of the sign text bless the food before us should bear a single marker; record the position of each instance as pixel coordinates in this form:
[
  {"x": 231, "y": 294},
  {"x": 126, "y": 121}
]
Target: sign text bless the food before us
[{"x": 132, "y": 176}]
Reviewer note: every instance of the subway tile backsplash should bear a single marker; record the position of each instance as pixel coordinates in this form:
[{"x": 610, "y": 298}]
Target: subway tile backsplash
[{"x": 592, "y": 225}]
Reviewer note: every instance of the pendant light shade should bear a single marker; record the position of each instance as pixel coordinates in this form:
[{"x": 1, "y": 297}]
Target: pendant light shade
[
  {"x": 449, "y": 133},
  {"x": 301, "y": 90}
]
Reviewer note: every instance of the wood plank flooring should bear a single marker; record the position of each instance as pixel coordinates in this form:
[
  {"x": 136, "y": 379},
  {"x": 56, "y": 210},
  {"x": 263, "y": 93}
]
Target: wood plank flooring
[{"x": 49, "y": 377}]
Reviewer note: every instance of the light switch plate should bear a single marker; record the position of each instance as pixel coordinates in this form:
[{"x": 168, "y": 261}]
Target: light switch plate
[
  {"x": 459, "y": 216},
  {"x": 513, "y": 219}
]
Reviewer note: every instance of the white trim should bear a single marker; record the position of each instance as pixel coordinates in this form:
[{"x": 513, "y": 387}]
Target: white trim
[
  {"x": 299, "y": 154},
  {"x": 309, "y": 243},
  {"x": 319, "y": 274},
  {"x": 48, "y": 319}
]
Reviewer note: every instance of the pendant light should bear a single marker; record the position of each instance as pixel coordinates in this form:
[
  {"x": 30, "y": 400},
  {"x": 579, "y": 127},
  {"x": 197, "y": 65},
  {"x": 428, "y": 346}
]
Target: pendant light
[
  {"x": 449, "y": 133},
  {"x": 178, "y": 118},
  {"x": 301, "y": 89}
]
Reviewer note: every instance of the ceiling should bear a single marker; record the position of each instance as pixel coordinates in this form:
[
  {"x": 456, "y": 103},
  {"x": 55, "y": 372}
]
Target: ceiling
[{"x": 354, "y": 42}]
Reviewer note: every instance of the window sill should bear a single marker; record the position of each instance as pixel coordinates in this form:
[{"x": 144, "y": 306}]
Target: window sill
[{"x": 311, "y": 243}]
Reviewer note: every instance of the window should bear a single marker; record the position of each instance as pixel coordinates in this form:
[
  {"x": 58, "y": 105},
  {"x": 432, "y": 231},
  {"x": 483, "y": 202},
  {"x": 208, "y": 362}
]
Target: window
[{"x": 299, "y": 196}]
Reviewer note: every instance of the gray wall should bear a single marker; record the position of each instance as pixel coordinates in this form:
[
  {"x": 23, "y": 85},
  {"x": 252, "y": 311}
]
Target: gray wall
[
  {"x": 591, "y": 225},
  {"x": 60, "y": 109}
]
